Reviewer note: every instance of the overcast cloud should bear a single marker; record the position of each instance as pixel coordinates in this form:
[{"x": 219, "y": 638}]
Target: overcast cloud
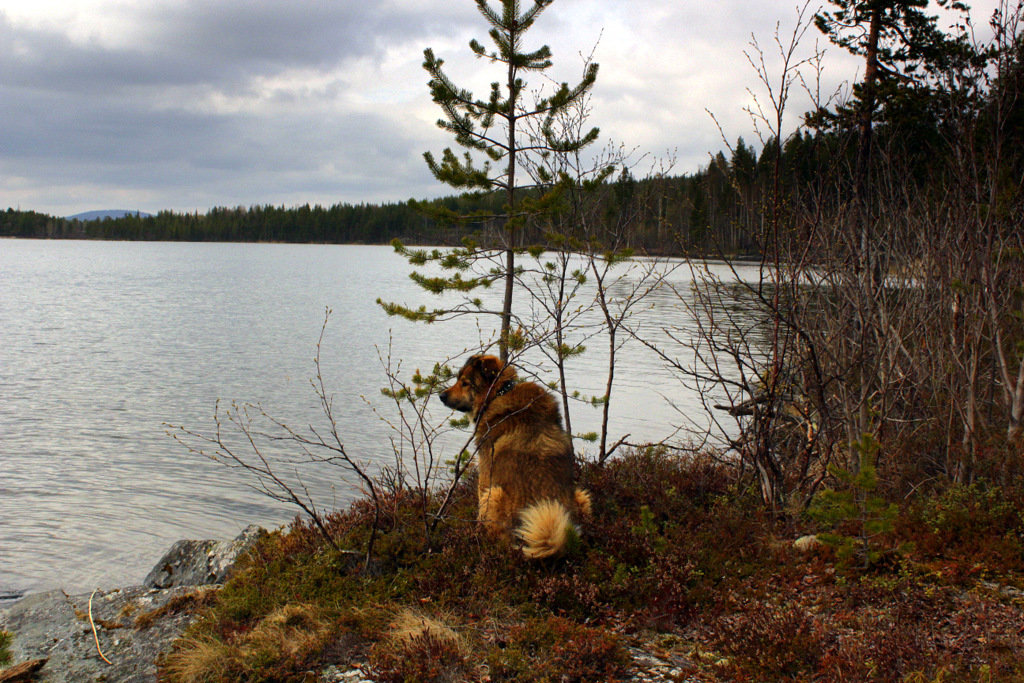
[{"x": 186, "y": 105}]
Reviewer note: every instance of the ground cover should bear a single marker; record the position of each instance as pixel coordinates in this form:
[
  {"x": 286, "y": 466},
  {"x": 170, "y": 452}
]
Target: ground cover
[{"x": 679, "y": 559}]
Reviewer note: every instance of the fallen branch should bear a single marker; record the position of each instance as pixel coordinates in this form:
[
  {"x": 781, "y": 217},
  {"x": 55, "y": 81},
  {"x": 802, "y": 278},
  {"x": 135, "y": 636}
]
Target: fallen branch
[{"x": 22, "y": 673}]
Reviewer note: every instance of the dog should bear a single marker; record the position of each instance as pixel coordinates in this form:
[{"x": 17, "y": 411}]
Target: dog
[{"x": 526, "y": 486}]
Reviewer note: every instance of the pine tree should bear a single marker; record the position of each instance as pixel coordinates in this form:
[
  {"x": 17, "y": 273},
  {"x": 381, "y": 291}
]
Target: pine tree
[
  {"x": 494, "y": 128},
  {"x": 902, "y": 47}
]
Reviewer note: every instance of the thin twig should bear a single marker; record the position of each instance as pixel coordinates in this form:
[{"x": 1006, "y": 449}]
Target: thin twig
[{"x": 95, "y": 636}]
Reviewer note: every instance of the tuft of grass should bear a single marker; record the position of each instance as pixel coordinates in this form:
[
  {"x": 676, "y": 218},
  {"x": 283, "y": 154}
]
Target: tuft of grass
[
  {"x": 189, "y": 602},
  {"x": 411, "y": 624},
  {"x": 769, "y": 642},
  {"x": 199, "y": 658},
  {"x": 288, "y": 634}
]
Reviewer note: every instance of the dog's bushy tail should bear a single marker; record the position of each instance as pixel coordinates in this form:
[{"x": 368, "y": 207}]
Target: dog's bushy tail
[
  {"x": 546, "y": 529},
  {"x": 583, "y": 502}
]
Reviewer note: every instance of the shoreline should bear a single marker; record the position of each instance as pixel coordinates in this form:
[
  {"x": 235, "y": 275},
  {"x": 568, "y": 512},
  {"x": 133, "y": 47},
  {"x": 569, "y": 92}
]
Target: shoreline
[
  {"x": 117, "y": 634},
  {"x": 739, "y": 258}
]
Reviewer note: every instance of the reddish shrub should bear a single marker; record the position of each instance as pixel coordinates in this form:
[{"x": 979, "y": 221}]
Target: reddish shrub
[
  {"x": 772, "y": 643},
  {"x": 422, "y": 658},
  {"x": 558, "y": 650}
]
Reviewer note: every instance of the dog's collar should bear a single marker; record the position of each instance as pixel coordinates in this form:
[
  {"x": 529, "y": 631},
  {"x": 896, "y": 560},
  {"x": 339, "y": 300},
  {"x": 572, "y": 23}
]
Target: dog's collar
[
  {"x": 501, "y": 391},
  {"x": 505, "y": 388}
]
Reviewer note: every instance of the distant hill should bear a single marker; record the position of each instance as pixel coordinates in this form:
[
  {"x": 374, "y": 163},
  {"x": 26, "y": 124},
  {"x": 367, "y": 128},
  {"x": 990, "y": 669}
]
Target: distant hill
[{"x": 109, "y": 213}]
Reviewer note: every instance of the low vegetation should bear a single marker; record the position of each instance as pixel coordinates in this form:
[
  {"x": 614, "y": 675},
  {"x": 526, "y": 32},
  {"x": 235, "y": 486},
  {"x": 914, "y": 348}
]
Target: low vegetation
[
  {"x": 681, "y": 559},
  {"x": 5, "y": 652}
]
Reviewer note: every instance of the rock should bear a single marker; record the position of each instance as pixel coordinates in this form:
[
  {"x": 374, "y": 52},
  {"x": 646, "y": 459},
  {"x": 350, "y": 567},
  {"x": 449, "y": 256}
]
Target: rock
[
  {"x": 55, "y": 626},
  {"x": 1005, "y": 591},
  {"x": 9, "y": 596},
  {"x": 198, "y": 563},
  {"x": 650, "y": 668},
  {"x": 338, "y": 674}
]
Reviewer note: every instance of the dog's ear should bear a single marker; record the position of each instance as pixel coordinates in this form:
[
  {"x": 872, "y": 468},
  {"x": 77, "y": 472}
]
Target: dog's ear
[{"x": 489, "y": 367}]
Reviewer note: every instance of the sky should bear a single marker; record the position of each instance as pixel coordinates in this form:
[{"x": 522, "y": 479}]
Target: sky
[{"x": 189, "y": 104}]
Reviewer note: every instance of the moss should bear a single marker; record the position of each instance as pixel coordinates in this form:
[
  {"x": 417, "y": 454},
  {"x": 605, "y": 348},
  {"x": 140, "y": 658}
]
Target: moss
[
  {"x": 5, "y": 647},
  {"x": 188, "y": 602}
]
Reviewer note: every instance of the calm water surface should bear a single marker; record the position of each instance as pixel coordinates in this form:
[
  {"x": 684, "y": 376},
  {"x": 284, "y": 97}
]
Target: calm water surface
[{"x": 103, "y": 343}]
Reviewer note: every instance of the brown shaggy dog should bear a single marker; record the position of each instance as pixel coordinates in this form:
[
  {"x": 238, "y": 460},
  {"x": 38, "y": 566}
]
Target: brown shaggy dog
[{"x": 526, "y": 469}]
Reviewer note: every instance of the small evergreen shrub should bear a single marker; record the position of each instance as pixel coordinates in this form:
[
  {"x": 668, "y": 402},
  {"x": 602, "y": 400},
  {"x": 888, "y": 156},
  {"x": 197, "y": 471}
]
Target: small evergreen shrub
[{"x": 858, "y": 518}]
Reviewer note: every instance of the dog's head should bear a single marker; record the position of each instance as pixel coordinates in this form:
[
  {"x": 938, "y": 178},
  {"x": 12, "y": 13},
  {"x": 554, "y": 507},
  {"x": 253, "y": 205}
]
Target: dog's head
[{"x": 480, "y": 379}]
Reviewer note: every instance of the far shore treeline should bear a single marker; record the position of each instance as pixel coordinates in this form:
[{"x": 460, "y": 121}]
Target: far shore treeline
[
  {"x": 928, "y": 132},
  {"x": 710, "y": 212}
]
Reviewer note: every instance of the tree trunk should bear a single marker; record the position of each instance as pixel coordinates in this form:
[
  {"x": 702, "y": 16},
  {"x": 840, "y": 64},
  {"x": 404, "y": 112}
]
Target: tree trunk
[
  {"x": 510, "y": 194},
  {"x": 607, "y": 390},
  {"x": 861, "y": 187}
]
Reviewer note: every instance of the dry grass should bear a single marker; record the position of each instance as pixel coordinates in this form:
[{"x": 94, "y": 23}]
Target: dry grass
[
  {"x": 278, "y": 643},
  {"x": 291, "y": 632},
  {"x": 410, "y": 624},
  {"x": 198, "y": 658}
]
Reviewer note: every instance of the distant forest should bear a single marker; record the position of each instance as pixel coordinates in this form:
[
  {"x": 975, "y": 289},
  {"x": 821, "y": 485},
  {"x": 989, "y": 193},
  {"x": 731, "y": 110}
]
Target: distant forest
[
  {"x": 929, "y": 131},
  {"x": 710, "y": 211}
]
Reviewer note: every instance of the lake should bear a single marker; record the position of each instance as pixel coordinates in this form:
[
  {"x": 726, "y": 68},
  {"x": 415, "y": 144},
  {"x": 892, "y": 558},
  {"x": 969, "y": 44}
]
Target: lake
[{"x": 102, "y": 344}]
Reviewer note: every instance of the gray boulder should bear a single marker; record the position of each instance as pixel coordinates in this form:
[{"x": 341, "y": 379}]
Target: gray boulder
[
  {"x": 56, "y": 627},
  {"x": 199, "y": 563}
]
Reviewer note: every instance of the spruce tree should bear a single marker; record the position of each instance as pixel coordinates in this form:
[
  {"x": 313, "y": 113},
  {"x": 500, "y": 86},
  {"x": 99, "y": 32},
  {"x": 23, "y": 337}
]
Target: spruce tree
[{"x": 495, "y": 129}]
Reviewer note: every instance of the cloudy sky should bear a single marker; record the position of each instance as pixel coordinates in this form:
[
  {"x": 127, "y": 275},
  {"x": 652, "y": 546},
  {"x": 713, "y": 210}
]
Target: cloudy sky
[{"x": 190, "y": 104}]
